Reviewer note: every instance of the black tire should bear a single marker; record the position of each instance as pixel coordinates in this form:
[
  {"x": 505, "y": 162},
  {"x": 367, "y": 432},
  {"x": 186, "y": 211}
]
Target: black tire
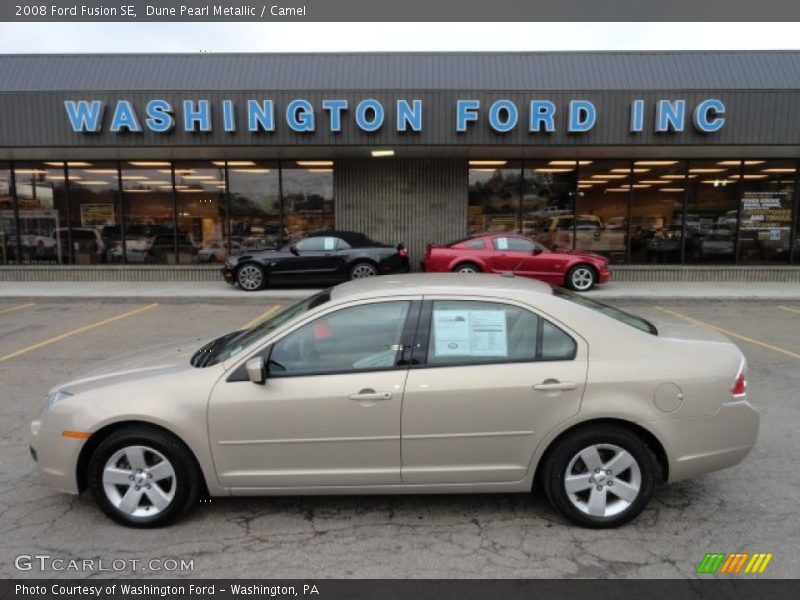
[
  {"x": 187, "y": 480},
  {"x": 467, "y": 267},
  {"x": 564, "y": 456},
  {"x": 363, "y": 270},
  {"x": 251, "y": 277},
  {"x": 581, "y": 278}
]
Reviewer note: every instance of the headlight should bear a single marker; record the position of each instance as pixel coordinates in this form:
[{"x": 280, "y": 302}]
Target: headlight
[{"x": 54, "y": 398}]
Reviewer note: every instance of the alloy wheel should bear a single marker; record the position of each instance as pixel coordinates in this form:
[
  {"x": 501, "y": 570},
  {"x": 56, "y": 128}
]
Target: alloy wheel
[
  {"x": 250, "y": 277},
  {"x": 466, "y": 269},
  {"x": 139, "y": 481},
  {"x": 364, "y": 270},
  {"x": 582, "y": 278},
  {"x": 603, "y": 480}
]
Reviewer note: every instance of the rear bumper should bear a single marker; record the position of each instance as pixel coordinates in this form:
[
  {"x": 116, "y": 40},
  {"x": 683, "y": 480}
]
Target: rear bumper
[{"x": 700, "y": 445}]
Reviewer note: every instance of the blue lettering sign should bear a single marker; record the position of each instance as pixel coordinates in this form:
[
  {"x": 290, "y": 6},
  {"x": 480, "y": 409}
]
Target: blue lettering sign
[
  {"x": 125, "y": 118},
  {"x": 409, "y": 116},
  {"x": 84, "y": 116},
  {"x": 637, "y": 116},
  {"x": 466, "y": 112},
  {"x": 363, "y": 109},
  {"x": 670, "y": 115},
  {"x": 497, "y": 122},
  {"x": 228, "y": 116},
  {"x": 159, "y": 116},
  {"x": 260, "y": 116},
  {"x": 706, "y": 117},
  {"x": 335, "y": 107},
  {"x": 196, "y": 119},
  {"x": 542, "y": 115},
  {"x": 300, "y": 116},
  {"x": 582, "y": 116}
]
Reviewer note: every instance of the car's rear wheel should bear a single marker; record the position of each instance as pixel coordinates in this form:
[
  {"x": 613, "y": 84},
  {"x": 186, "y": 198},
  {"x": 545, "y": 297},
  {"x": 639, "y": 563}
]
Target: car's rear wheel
[
  {"x": 143, "y": 477},
  {"x": 467, "y": 268},
  {"x": 581, "y": 278},
  {"x": 251, "y": 277},
  {"x": 600, "y": 476},
  {"x": 363, "y": 270}
]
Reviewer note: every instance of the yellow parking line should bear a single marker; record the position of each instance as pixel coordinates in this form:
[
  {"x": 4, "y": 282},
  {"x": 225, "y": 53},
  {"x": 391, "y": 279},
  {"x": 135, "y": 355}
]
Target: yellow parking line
[
  {"x": 267, "y": 313},
  {"x": 83, "y": 329},
  {"x": 17, "y": 307},
  {"x": 731, "y": 333},
  {"x": 794, "y": 310}
]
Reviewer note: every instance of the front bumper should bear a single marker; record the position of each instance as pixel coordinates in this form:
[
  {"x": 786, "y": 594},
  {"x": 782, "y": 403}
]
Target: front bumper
[
  {"x": 228, "y": 274},
  {"x": 604, "y": 275},
  {"x": 56, "y": 457},
  {"x": 700, "y": 445}
]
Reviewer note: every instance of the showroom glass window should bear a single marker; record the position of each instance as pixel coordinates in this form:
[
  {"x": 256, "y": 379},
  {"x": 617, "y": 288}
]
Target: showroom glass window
[
  {"x": 96, "y": 213},
  {"x": 148, "y": 208},
  {"x": 765, "y": 217},
  {"x": 601, "y": 220},
  {"x": 548, "y": 191},
  {"x": 43, "y": 212},
  {"x": 656, "y": 232},
  {"x": 494, "y": 196},
  {"x": 307, "y": 197},
  {"x": 201, "y": 203},
  {"x": 712, "y": 204},
  {"x": 8, "y": 230},
  {"x": 255, "y": 205}
]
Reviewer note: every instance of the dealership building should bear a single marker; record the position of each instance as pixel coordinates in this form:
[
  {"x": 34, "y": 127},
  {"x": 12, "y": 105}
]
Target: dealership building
[{"x": 654, "y": 159}]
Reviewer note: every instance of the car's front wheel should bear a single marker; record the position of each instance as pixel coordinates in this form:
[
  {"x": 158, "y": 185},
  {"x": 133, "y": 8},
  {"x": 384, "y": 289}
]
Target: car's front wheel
[
  {"x": 581, "y": 278},
  {"x": 251, "y": 277},
  {"x": 600, "y": 476},
  {"x": 143, "y": 477}
]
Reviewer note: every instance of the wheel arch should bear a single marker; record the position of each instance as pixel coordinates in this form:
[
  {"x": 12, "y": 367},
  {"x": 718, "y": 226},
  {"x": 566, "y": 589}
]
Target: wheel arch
[
  {"x": 103, "y": 433},
  {"x": 464, "y": 260},
  {"x": 648, "y": 438},
  {"x": 580, "y": 262}
]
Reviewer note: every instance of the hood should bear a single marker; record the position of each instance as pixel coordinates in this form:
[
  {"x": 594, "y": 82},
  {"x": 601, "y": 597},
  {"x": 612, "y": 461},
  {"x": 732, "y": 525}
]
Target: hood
[
  {"x": 160, "y": 359},
  {"x": 583, "y": 253}
]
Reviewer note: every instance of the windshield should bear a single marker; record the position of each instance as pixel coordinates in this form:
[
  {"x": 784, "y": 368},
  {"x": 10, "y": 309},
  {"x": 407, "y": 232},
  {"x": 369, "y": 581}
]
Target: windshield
[
  {"x": 614, "y": 313},
  {"x": 231, "y": 344}
]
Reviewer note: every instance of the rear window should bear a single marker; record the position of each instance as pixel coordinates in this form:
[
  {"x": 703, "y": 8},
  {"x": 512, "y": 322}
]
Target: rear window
[{"x": 614, "y": 313}]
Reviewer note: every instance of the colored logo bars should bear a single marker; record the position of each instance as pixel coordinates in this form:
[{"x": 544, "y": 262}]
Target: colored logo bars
[{"x": 735, "y": 563}]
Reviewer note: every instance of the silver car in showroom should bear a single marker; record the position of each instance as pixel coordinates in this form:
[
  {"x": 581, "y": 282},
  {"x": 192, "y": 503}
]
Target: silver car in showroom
[{"x": 442, "y": 383}]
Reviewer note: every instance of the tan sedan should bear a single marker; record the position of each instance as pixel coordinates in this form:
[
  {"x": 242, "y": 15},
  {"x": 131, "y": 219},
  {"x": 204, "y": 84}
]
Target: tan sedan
[{"x": 407, "y": 384}]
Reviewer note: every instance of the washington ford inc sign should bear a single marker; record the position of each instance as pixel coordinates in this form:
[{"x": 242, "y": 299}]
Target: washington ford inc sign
[{"x": 370, "y": 115}]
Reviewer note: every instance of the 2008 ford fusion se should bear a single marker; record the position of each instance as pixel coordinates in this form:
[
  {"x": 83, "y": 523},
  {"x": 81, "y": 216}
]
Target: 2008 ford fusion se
[{"x": 443, "y": 383}]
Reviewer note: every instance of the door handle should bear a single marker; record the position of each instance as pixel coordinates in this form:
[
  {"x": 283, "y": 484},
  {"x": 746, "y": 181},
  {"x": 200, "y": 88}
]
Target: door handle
[
  {"x": 370, "y": 395},
  {"x": 553, "y": 385}
]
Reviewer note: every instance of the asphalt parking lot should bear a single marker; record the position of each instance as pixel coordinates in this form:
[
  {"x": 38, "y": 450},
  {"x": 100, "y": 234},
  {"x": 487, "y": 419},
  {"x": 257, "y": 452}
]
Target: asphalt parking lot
[{"x": 751, "y": 507}]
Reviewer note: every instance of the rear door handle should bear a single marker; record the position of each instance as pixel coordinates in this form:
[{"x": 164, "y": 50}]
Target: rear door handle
[
  {"x": 553, "y": 385},
  {"x": 369, "y": 395}
]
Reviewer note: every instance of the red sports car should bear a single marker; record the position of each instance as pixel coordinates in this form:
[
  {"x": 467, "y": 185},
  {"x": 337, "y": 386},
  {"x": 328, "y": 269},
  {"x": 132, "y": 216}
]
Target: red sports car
[{"x": 503, "y": 253}]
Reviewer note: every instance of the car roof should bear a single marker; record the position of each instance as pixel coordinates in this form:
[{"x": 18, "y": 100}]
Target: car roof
[{"x": 439, "y": 283}]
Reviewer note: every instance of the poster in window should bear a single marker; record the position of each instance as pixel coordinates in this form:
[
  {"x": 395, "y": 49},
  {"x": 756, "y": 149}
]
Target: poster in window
[
  {"x": 97, "y": 215},
  {"x": 478, "y": 333}
]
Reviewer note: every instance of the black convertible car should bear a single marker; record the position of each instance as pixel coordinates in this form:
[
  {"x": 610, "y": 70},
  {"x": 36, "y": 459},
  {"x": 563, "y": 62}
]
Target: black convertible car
[{"x": 324, "y": 257}]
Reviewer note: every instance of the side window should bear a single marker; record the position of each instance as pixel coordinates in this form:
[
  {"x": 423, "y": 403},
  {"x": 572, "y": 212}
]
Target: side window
[
  {"x": 353, "y": 339},
  {"x": 341, "y": 244},
  {"x": 467, "y": 332},
  {"x": 475, "y": 245},
  {"x": 516, "y": 244},
  {"x": 317, "y": 244},
  {"x": 500, "y": 243}
]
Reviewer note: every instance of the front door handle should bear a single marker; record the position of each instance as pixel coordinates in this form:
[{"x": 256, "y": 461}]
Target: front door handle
[
  {"x": 553, "y": 385},
  {"x": 370, "y": 395}
]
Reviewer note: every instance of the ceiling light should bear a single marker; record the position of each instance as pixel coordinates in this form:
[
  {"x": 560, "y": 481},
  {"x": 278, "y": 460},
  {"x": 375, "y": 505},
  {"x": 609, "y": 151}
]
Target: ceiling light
[
  {"x": 678, "y": 176},
  {"x": 319, "y": 170},
  {"x": 706, "y": 170},
  {"x": 556, "y": 170},
  {"x": 651, "y": 181},
  {"x": 655, "y": 163},
  {"x": 483, "y": 163},
  {"x": 135, "y": 177},
  {"x": 626, "y": 170},
  {"x": 87, "y": 182},
  {"x": 582, "y": 186},
  {"x": 137, "y": 191},
  {"x": 591, "y": 181},
  {"x": 670, "y": 189},
  {"x": 98, "y": 171},
  {"x": 779, "y": 170},
  {"x": 250, "y": 170},
  {"x": 30, "y": 171},
  {"x": 234, "y": 163},
  {"x": 381, "y": 153},
  {"x": 736, "y": 163},
  {"x": 314, "y": 163},
  {"x": 198, "y": 177},
  {"x": 191, "y": 191},
  {"x": 149, "y": 163},
  {"x": 569, "y": 163},
  {"x": 621, "y": 189},
  {"x": 609, "y": 176}
]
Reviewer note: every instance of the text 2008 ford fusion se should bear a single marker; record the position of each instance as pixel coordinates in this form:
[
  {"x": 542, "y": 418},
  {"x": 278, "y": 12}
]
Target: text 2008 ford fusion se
[{"x": 407, "y": 384}]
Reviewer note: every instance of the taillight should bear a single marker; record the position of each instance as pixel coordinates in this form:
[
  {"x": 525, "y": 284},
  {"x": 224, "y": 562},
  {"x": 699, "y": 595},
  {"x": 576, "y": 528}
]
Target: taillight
[
  {"x": 739, "y": 389},
  {"x": 402, "y": 251}
]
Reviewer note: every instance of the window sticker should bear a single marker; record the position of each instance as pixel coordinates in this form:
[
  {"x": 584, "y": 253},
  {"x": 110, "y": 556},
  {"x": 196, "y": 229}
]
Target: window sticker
[
  {"x": 329, "y": 243},
  {"x": 502, "y": 243},
  {"x": 470, "y": 333}
]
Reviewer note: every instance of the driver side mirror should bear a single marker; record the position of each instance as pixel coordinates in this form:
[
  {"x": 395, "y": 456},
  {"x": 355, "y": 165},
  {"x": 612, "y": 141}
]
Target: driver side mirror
[
  {"x": 256, "y": 370},
  {"x": 537, "y": 250},
  {"x": 293, "y": 250}
]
